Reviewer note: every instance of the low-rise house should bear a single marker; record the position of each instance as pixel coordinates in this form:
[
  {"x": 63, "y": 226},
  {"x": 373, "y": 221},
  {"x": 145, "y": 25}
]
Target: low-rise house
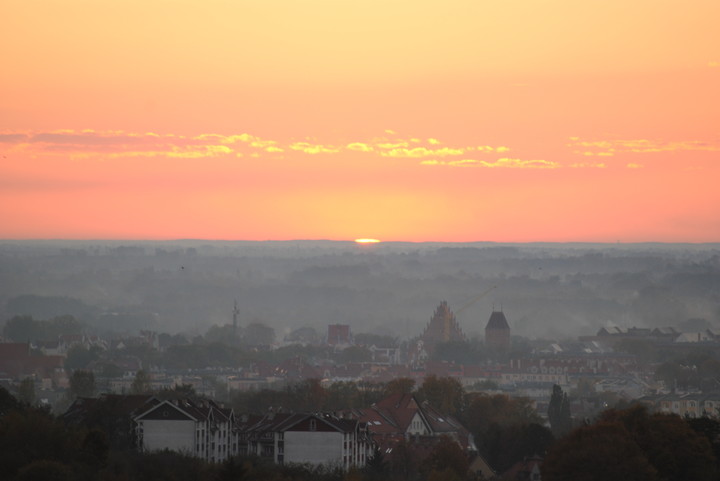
[
  {"x": 687, "y": 337},
  {"x": 402, "y": 417},
  {"x": 626, "y": 387},
  {"x": 309, "y": 438},
  {"x": 685, "y": 404},
  {"x": 526, "y": 470},
  {"x": 18, "y": 362},
  {"x": 198, "y": 428}
]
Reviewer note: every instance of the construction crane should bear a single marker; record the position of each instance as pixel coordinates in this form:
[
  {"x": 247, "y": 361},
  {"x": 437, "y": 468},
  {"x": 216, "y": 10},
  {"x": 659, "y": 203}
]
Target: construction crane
[{"x": 475, "y": 299}]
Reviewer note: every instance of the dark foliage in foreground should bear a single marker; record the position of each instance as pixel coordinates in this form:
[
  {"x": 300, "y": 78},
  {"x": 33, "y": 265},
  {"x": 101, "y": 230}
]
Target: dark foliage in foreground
[{"x": 632, "y": 444}]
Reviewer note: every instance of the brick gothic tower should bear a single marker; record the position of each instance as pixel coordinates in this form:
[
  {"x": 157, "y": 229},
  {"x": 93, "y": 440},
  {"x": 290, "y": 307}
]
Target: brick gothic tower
[{"x": 497, "y": 332}]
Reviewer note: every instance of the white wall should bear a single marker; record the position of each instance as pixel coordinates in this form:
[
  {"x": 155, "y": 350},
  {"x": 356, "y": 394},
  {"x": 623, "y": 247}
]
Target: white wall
[
  {"x": 164, "y": 434},
  {"x": 313, "y": 447}
]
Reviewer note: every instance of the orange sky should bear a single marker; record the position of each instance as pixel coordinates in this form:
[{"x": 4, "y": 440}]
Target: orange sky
[{"x": 460, "y": 120}]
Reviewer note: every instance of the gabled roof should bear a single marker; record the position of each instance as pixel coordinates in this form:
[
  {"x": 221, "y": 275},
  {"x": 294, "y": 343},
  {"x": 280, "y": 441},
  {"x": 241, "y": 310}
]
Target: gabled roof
[
  {"x": 340, "y": 425},
  {"x": 438, "y": 422},
  {"x": 282, "y": 422},
  {"x": 203, "y": 410},
  {"x": 400, "y": 408},
  {"x": 394, "y": 414},
  {"x": 166, "y": 411}
]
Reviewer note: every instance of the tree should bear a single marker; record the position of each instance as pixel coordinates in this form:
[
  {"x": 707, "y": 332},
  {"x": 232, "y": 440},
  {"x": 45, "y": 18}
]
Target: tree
[
  {"x": 23, "y": 329},
  {"x": 7, "y": 402},
  {"x": 506, "y": 429},
  {"x": 674, "y": 375},
  {"x": 309, "y": 395},
  {"x": 600, "y": 452},
  {"x": 632, "y": 444},
  {"x": 258, "y": 334},
  {"x": 306, "y": 335},
  {"x": 354, "y": 354},
  {"x": 376, "y": 466},
  {"x": 343, "y": 395},
  {"x": 32, "y": 434},
  {"x": 504, "y": 446},
  {"x": 62, "y": 325},
  {"x": 79, "y": 356},
  {"x": 141, "y": 383},
  {"x": 178, "y": 391},
  {"x": 95, "y": 448},
  {"x": 444, "y": 394},
  {"x": 26, "y": 391},
  {"x": 402, "y": 460},
  {"x": 559, "y": 412},
  {"x": 231, "y": 470},
  {"x": 676, "y": 451},
  {"x": 447, "y": 455},
  {"x": 483, "y": 410},
  {"x": 45, "y": 470},
  {"x": 710, "y": 428},
  {"x": 223, "y": 334},
  {"x": 82, "y": 384},
  {"x": 400, "y": 385}
]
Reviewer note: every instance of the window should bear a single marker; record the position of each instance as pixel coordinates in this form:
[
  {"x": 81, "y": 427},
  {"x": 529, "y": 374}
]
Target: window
[{"x": 313, "y": 425}]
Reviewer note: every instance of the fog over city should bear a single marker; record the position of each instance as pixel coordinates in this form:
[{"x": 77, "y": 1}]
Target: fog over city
[
  {"x": 359, "y": 240},
  {"x": 547, "y": 291}
]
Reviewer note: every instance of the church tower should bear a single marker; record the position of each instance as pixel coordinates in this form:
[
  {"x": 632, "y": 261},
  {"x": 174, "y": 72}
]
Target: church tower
[
  {"x": 497, "y": 332},
  {"x": 443, "y": 327}
]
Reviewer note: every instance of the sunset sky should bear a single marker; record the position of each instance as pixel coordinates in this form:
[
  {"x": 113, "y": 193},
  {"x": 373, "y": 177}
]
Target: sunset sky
[{"x": 453, "y": 120}]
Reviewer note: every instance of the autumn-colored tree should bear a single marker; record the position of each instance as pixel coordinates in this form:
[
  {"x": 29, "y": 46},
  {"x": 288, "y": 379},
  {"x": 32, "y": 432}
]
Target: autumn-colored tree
[
  {"x": 482, "y": 410},
  {"x": 710, "y": 428},
  {"x": 31, "y": 434},
  {"x": 402, "y": 460},
  {"x": 445, "y": 394},
  {"x": 446, "y": 455},
  {"x": 400, "y": 385},
  {"x": 343, "y": 395},
  {"x": 676, "y": 451},
  {"x": 309, "y": 395},
  {"x": 377, "y": 467},
  {"x": 506, "y": 429},
  {"x": 504, "y": 446},
  {"x": 600, "y": 452},
  {"x": 632, "y": 444}
]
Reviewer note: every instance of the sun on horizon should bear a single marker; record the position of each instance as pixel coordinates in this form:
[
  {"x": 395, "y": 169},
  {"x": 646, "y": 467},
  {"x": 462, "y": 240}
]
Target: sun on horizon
[{"x": 450, "y": 121}]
